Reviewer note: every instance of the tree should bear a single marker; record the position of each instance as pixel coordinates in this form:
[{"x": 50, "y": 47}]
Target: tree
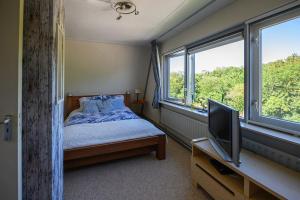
[
  {"x": 177, "y": 85},
  {"x": 225, "y": 85},
  {"x": 281, "y": 88}
]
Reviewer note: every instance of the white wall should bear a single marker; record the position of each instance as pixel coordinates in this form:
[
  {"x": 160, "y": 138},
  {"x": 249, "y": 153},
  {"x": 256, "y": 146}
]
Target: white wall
[
  {"x": 233, "y": 14},
  {"x": 11, "y": 22},
  {"x": 110, "y": 68}
]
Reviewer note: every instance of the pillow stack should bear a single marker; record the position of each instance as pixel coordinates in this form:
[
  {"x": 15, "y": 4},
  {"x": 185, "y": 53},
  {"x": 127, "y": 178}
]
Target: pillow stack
[{"x": 96, "y": 104}]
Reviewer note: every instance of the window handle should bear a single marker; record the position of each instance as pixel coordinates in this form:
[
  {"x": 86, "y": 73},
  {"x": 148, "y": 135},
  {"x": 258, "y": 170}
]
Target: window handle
[
  {"x": 255, "y": 40},
  {"x": 255, "y": 103}
]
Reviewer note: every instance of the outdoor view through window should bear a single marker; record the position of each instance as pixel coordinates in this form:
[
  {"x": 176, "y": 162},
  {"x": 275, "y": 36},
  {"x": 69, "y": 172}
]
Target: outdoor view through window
[
  {"x": 176, "y": 79},
  {"x": 217, "y": 72},
  {"x": 280, "y": 56},
  {"x": 219, "y": 75}
]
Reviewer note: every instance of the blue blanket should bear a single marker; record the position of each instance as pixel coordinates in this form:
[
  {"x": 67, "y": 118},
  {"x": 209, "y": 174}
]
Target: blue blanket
[{"x": 84, "y": 118}]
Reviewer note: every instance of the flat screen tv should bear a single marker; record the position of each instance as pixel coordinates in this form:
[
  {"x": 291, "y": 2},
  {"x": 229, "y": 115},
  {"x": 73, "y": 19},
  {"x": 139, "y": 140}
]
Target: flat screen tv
[{"x": 224, "y": 126}]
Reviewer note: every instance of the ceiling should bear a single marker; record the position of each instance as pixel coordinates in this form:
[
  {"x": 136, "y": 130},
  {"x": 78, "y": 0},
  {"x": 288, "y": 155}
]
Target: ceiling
[{"x": 93, "y": 20}]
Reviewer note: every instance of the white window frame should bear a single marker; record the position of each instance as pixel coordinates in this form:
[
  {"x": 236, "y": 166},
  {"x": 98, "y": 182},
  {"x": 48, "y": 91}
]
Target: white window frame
[
  {"x": 255, "y": 106},
  {"x": 231, "y": 38},
  {"x": 166, "y": 93}
]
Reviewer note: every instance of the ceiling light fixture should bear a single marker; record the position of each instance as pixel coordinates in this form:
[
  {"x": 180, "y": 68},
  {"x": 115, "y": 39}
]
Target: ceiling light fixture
[{"x": 124, "y": 7}]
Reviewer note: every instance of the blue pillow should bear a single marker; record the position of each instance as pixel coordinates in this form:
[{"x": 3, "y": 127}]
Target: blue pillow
[
  {"x": 111, "y": 103},
  {"x": 90, "y": 107},
  {"x": 91, "y": 98},
  {"x": 99, "y": 97}
]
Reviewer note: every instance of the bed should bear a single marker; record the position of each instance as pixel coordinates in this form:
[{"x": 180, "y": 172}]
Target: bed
[{"x": 100, "y": 137}]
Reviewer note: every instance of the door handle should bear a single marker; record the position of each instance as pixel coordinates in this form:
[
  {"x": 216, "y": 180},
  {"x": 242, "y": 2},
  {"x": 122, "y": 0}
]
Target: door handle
[{"x": 7, "y": 128}]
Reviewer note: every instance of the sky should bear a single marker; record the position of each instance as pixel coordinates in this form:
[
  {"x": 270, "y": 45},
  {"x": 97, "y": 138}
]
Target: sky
[{"x": 278, "y": 42}]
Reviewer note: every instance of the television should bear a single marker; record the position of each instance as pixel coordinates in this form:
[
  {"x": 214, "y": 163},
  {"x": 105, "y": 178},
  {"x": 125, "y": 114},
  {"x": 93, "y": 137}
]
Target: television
[{"x": 224, "y": 127}]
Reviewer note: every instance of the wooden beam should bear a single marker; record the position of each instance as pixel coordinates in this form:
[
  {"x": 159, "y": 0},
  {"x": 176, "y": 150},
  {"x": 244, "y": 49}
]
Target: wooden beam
[{"x": 42, "y": 118}]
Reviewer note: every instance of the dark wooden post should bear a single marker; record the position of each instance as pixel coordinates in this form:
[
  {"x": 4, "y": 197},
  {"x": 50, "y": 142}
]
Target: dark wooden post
[{"x": 42, "y": 118}]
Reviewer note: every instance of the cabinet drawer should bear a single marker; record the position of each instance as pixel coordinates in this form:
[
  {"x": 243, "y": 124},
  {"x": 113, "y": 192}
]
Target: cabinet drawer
[{"x": 214, "y": 187}]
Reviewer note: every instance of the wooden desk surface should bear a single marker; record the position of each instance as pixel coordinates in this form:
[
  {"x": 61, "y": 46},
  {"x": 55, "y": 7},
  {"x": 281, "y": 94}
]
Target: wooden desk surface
[{"x": 275, "y": 178}]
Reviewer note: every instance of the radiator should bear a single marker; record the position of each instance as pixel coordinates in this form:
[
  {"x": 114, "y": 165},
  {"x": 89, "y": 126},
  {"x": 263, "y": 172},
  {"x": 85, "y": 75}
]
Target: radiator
[
  {"x": 186, "y": 129},
  {"x": 280, "y": 157},
  {"x": 183, "y": 127}
]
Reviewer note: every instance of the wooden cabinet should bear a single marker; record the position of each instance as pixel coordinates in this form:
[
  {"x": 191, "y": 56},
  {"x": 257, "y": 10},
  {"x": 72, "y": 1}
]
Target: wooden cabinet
[{"x": 256, "y": 178}]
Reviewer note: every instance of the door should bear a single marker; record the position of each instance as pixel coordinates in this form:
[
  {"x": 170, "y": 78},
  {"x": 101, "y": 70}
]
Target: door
[{"x": 10, "y": 98}]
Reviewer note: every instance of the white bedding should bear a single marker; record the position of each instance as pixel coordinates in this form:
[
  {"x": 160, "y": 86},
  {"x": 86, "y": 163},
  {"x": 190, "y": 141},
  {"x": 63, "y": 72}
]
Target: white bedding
[{"x": 81, "y": 135}]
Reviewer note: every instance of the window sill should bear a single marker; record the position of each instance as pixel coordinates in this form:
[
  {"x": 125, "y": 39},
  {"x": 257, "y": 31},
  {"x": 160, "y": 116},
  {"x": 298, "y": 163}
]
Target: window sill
[
  {"x": 184, "y": 110},
  {"x": 274, "y": 134},
  {"x": 194, "y": 114}
]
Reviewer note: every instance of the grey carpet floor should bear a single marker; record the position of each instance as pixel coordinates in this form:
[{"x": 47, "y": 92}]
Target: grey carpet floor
[{"x": 138, "y": 178}]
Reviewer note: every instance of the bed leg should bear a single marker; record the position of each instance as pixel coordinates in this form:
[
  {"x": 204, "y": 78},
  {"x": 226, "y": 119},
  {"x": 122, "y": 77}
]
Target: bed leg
[{"x": 161, "y": 148}]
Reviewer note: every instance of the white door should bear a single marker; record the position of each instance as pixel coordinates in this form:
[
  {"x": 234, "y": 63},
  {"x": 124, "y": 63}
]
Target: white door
[{"x": 10, "y": 97}]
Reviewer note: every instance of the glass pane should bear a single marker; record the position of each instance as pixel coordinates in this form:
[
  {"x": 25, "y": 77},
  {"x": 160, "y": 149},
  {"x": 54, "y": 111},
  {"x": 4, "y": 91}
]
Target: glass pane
[
  {"x": 176, "y": 77},
  {"x": 219, "y": 75},
  {"x": 281, "y": 71}
]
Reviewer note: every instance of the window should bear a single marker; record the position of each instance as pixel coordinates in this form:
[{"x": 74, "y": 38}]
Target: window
[
  {"x": 275, "y": 48},
  {"x": 214, "y": 68},
  {"x": 176, "y": 77},
  {"x": 219, "y": 73}
]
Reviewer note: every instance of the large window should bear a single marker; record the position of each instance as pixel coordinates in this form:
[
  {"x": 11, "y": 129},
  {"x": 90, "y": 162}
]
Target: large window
[
  {"x": 269, "y": 94},
  {"x": 176, "y": 77},
  {"x": 219, "y": 73},
  {"x": 213, "y": 70},
  {"x": 276, "y": 71}
]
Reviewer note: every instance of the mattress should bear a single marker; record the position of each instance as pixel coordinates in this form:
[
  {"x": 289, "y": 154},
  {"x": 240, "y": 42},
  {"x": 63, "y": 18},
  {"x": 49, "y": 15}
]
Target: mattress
[{"x": 87, "y": 134}]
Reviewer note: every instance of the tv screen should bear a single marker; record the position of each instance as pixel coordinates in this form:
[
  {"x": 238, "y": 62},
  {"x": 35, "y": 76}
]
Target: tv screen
[{"x": 223, "y": 124}]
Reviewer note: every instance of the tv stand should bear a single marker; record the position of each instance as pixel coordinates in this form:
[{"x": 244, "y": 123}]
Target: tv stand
[
  {"x": 222, "y": 169},
  {"x": 255, "y": 178}
]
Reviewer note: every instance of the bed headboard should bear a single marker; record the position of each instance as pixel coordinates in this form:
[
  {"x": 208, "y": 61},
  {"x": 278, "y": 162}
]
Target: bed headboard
[{"x": 72, "y": 102}]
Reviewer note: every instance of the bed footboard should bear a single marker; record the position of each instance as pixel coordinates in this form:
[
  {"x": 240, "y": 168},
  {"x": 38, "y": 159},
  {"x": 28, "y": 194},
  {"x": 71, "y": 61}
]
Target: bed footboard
[{"x": 90, "y": 155}]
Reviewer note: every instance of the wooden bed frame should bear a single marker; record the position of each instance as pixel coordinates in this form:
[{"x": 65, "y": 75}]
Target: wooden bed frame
[{"x": 83, "y": 156}]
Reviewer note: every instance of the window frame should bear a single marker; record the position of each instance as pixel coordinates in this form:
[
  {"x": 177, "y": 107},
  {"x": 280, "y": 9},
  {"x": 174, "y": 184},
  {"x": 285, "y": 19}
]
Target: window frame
[
  {"x": 166, "y": 90},
  {"x": 227, "y": 38},
  {"x": 255, "y": 84}
]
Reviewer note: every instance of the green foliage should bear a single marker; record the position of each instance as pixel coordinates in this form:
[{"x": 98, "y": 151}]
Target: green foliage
[
  {"x": 280, "y": 88},
  {"x": 177, "y": 85},
  {"x": 225, "y": 85}
]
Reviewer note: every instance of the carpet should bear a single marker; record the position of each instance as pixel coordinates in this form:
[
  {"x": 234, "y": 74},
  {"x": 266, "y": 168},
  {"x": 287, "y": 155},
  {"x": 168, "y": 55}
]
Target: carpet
[{"x": 138, "y": 178}]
